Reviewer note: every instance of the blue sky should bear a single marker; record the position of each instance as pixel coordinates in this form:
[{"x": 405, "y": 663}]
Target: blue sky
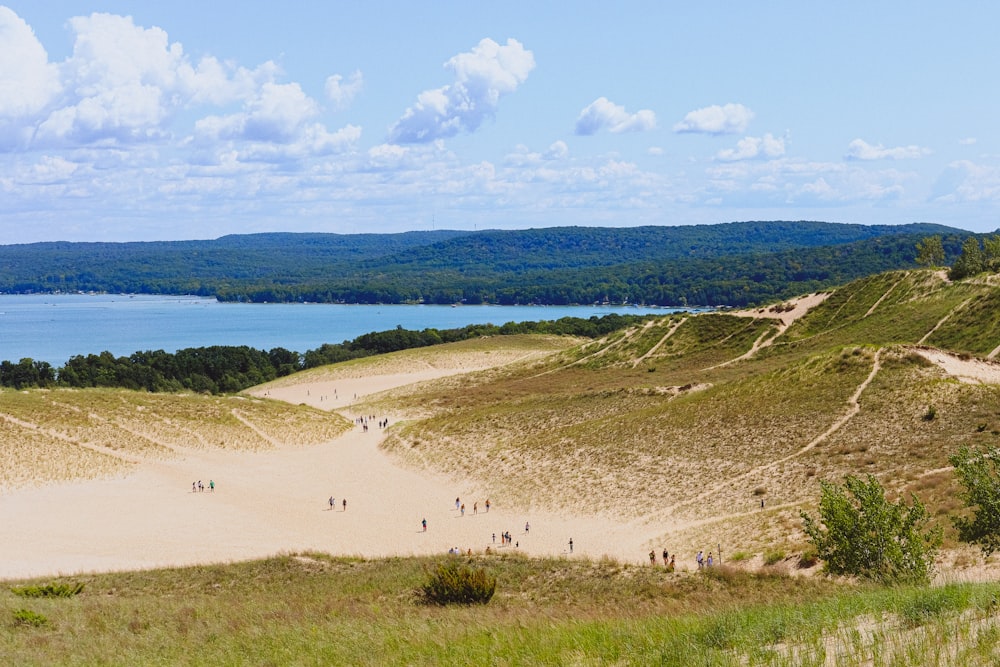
[{"x": 127, "y": 120}]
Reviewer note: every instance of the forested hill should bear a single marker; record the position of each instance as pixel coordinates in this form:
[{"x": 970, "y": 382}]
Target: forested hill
[{"x": 735, "y": 264}]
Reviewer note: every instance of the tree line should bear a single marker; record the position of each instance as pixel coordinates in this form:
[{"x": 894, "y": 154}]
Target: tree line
[
  {"x": 224, "y": 369},
  {"x": 734, "y": 264}
]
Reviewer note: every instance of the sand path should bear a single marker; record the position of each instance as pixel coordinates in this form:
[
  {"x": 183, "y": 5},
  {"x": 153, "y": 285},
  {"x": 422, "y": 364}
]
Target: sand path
[{"x": 277, "y": 501}]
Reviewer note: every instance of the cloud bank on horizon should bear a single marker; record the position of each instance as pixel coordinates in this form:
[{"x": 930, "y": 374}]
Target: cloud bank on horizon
[{"x": 131, "y": 135}]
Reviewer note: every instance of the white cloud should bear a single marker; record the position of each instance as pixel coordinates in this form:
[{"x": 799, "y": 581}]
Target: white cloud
[
  {"x": 968, "y": 141},
  {"x": 603, "y": 113},
  {"x": 966, "y": 181},
  {"x": 28, "y": 83},
  {"x": 859, "y": 149},
  {"x": 715, "y": 119},
  {"x": 482, "y": 76},
  {"x": 749, "y": 148},
  {"x": 342, "y": 92}
]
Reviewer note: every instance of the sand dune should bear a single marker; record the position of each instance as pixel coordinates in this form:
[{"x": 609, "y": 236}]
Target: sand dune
[{"x": 269, "y": 502}]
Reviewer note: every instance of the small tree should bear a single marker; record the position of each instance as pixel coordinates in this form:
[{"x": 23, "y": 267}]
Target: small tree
[
  {"x": 864, "y": 535},
  {"x": 930, "y": 251},
  {"x": 979, "y": 473},
  {"x": 971, "y": 262}
]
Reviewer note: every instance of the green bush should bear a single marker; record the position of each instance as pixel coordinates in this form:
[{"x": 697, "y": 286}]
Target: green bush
[
  {"x": 452, "y": 583},
  {"x": 861, "y": 533},
  {"x": 26, "y": 618},
  {"x": 48, "y": 591}
]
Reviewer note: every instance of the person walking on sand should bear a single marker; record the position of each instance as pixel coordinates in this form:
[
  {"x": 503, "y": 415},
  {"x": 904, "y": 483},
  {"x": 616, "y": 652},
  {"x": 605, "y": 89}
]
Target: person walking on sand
[
  {"x": 664, "y": 558},
  {"x": 457, "y": 503},
  {"x": 345, "y": 504},
  {"x": 700, "y": 559},
  {"x": 652, "y": 557},
  {"x": 710, "y": 559},
  {"x": 424, "y": 524},
  {"x": 332, "y": 503},
  {"x": 463, "y": 509},
  {"x": 211, "y": 485},
  {"x": 571, "y": 545},
  {"x": 670, "y": 568},
  {"x": 526, "y": 526},
  {"x": 487, "y": 505},
  {"x": 475, "y": 507}
]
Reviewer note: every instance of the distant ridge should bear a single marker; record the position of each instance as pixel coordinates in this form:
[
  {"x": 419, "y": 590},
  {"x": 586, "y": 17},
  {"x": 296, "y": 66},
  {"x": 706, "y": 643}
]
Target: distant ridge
[{"x": 736, "y": 264}]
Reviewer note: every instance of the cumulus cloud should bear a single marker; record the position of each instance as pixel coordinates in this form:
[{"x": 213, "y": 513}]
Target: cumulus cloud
[
  {"x": 859, "y": 149},
  {"x": 603, "y": 113},
  {"x": 966, "y": 181},
  {"x": 715, "y": 119},
  {"x": 342, "y": 91},
  {"x": 482, "y": 77},
  {"x": 749, "y": 148}
]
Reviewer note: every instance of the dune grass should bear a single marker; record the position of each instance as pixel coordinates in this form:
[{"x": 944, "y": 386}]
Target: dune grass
[{"x": 313, "y": 609}]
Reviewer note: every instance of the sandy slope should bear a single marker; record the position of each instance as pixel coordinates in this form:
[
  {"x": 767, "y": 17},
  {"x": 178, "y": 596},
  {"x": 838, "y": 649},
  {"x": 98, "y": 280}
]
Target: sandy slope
[{"x": 277, "y": 501}]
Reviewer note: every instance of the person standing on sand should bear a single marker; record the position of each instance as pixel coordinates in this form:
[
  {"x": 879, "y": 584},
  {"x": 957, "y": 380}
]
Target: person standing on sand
[
  {"x": 700, "y": 559},
  {"x": 463, "y": 509},
  {"x": 487, "y": 505},
  {"x": 670, "y": 568},
  {"x": 652, "y": 557},
  {"x": 211, "y": 485},
  {"x": 331, "y": 503},
  {"x": 345, "y": 504},
  {"x": 571, "y": 545},
  {"x": 710, "y": 559},
  {"x": 457, "y": 503},
  {"x": 424, "y": 524},
  {"x": 664, "y": 558},
  {"x": 475, "y": 507},
  {"x": 526, "y": 526}
]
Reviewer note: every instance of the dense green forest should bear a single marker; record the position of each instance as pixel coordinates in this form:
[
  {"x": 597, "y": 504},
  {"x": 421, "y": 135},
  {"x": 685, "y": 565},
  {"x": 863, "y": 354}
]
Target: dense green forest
[
  {"x": 228, "y": 369},
  {"x": 734, "y": 264}
]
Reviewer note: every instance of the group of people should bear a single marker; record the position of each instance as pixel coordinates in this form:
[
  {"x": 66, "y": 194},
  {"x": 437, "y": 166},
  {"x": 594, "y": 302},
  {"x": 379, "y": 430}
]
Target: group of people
[
  {"x": 668, "y": 560},
  {"x": 333, "y": 503},
  {"x": 704, "y": 562},
  {"x": 197, "y": 487},
  {"x": 460, "y": 506},
  {"x": 363, "y": 422}
]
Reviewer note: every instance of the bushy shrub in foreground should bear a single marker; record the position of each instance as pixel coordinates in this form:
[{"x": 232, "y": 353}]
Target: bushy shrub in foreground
[{"x": 452, "y": 583}]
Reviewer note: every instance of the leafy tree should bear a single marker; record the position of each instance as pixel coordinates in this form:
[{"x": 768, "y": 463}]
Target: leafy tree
[
  {"x": 864, "y": 535},
  {"x": 971, "y": 262},
  {"x": 930, "y": 251},
  {"x": 991, "y": 253},
  {"x": 979, "y": 473}
]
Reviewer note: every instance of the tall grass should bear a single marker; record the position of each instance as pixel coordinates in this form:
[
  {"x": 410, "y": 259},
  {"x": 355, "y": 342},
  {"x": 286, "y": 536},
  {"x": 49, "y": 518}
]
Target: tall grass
[{"x": 312, "y": 609}]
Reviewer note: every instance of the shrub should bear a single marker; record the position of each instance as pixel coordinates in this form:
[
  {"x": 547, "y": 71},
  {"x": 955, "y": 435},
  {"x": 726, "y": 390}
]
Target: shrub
[
  {"x": 48, "y": 591},
  {"x": 978, "y": 471},
  {"x": 865, "y": 535},
  {"x": 26, "y": 618},
  {"x": 931, "y": 413},
  {"x": 452, "y": 583}
]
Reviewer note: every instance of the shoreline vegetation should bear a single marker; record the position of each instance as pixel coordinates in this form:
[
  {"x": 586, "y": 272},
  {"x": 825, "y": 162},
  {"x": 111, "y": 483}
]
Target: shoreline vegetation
[
  {"x": 685, "y": 432},
  {"x": 221, "y": 369}
]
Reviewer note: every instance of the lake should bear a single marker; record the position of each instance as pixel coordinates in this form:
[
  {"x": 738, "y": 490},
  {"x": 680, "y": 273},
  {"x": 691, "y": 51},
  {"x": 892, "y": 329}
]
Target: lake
[{"x": 55, "y": 327}]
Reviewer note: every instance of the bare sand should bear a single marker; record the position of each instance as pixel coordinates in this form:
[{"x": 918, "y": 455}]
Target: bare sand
[{"x": 273, "y": 502}]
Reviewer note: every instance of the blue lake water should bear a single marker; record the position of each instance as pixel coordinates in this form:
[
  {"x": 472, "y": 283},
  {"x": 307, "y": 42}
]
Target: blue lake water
[{"x": 54, "y": 328}]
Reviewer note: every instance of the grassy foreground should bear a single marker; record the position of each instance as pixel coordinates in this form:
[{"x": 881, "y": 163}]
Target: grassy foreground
[{"x": 314, "y": 609}]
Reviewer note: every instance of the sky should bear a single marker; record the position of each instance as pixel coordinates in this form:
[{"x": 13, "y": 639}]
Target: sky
[{"x": 126, "y": 120}]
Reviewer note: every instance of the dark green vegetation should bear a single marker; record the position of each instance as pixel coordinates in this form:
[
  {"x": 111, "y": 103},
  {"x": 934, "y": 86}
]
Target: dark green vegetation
[
  {"x": 862, "y": 534},
  {"x": 731, "y": 264},
  {"x": 978, "y": 472},
  {"x": 312, "y": 609},
  {"x": 230, "y": 369},
  {"x": 454, "y": 583}
]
